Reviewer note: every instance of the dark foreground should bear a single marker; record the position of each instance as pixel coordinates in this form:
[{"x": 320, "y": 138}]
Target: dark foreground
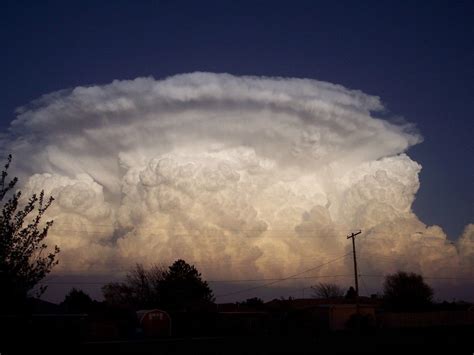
[{"x": 417, "y": 341}]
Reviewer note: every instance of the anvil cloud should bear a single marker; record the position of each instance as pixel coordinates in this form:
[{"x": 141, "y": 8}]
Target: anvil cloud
[{"x": 244, "y": 176}]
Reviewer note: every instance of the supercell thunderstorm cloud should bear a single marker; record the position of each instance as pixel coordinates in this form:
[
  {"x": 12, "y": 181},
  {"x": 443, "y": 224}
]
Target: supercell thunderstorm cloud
[{"x": 243, "y": 176}]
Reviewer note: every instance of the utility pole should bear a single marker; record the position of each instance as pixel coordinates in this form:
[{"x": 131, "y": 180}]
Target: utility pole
[{"x": 352, "y": 236}]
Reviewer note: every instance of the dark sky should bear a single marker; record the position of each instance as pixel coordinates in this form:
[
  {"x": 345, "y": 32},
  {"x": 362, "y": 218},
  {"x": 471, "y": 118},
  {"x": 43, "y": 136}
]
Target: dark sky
[{"x": 417, "y": 56}]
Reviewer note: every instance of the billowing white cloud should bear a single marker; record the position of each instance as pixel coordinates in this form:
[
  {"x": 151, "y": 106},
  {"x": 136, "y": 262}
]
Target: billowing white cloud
[{"x": 245, "y": 176}]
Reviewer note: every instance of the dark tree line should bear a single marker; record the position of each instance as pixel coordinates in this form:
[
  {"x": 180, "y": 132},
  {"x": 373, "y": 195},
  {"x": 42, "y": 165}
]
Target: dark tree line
[
  {"x": 176, "y": 288},
  {"x": 402, "y": 291}
]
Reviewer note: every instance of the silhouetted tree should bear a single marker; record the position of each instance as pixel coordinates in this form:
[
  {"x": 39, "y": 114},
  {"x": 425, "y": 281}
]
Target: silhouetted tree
[
  {"x": 254, "y": 302},
  {"x": 182, "y": 286},
  {"x": 140, "y": 290},
  {"x": 406, "y": 292},
  {"x": 351, "y": 294},
  {"x": 22, "y": 248},
  {"x": 327, "y": 290},
  {"x": 77, "y": 301}
]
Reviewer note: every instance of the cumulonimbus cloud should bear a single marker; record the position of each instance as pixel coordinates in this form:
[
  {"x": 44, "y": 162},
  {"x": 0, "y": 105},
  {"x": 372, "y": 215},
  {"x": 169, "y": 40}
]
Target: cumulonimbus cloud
[{"x": 244, "y": 176}]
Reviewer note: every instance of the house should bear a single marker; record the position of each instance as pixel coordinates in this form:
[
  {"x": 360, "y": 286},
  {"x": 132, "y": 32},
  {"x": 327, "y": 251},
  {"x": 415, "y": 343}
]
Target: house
[{"x": 306, "y": 316}]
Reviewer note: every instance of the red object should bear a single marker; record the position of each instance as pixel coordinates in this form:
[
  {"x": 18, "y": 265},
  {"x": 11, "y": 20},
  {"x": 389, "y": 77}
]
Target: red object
[{"x": 154, "y": 323}]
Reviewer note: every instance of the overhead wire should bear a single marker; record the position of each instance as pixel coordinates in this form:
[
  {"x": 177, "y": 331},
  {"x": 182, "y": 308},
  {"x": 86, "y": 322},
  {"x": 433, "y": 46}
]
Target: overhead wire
[
  {"x": 284, "y": 278},
  {"x": 426, "y": 277},
  {"x": 209, "y": 281}
]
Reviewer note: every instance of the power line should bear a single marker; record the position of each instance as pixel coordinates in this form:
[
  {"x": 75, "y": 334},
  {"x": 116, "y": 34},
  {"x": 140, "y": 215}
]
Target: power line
[
  {"x": 430, "y": 277},
  {"x": 202, "y": 231},
  {"x": 221, "y": 232},
  {"x": 210, "y": 281},
  {"x": 283, "y": 279},
  {"x": 76, "y": 282},
  {"x": 129, "y": 266},
  {"x": 277, "y": 279},
  {"x": 395, "y": 259},
  {"x": 289, "y": 228}
]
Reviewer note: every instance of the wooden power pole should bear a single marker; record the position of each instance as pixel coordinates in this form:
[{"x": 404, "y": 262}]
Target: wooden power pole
[{"x": 352, "y": 236}]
